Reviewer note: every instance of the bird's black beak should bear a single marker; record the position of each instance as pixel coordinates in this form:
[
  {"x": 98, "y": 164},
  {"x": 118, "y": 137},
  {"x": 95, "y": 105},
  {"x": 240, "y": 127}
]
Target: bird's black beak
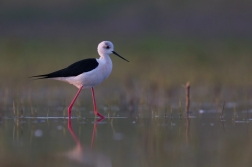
[{"x": 119, "y": 56}]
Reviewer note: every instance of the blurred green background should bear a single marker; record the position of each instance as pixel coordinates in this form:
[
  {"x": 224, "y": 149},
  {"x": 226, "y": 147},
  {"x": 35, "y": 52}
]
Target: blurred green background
[{"x": 167, "y": 42}]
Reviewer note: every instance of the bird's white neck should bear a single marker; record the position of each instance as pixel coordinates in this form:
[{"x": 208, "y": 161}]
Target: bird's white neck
[{"x": 104, "y": 57}]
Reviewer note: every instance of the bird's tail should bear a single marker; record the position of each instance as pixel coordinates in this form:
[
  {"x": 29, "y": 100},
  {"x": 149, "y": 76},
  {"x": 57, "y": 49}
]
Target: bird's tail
[{"x": 36, "y": 77}]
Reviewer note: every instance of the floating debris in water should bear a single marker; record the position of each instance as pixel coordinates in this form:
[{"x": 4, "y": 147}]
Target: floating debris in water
[
  {"x": 38, "y": 133},
  {"x": 201, "y": 111}
]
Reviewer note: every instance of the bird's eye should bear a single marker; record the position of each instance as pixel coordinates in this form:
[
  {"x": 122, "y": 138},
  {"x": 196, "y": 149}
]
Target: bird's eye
[{"x": 107, "y": 47}]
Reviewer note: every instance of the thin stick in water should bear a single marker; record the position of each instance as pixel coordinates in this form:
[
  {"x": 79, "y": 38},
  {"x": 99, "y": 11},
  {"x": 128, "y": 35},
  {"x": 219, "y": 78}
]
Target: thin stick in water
[{"x": 187, "y": 98}]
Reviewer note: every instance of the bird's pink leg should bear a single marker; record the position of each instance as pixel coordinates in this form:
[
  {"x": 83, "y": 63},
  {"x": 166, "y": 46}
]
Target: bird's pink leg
[
  {"x": 94, "y": 102},
  {"x": 72, "y": 103}
]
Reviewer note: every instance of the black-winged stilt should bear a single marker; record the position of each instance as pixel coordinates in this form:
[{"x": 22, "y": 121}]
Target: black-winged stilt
[{"x": 86, "y": 73}]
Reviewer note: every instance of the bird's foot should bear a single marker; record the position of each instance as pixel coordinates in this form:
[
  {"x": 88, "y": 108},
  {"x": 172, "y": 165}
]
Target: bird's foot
[{"x": 99, "y": 115}]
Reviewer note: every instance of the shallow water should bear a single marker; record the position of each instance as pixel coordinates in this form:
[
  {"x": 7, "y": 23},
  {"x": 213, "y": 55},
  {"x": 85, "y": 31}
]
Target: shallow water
[{"x": 201, "y": 140}]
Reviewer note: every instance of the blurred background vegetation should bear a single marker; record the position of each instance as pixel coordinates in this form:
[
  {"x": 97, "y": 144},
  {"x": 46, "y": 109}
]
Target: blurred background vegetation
[{"x": 167, "y": 42}]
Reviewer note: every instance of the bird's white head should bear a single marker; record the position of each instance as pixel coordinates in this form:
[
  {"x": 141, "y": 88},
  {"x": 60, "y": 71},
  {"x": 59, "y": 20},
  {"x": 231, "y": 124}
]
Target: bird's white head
[{"x": 106, "y": 48}]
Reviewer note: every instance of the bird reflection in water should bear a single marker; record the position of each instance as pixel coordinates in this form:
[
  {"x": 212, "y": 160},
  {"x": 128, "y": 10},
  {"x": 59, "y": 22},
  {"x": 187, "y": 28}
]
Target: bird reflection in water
[{"x": 84, "y": 155}]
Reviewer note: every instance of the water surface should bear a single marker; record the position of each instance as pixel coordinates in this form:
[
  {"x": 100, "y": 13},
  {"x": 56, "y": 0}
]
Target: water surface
[{"x": 201, "y": 140}]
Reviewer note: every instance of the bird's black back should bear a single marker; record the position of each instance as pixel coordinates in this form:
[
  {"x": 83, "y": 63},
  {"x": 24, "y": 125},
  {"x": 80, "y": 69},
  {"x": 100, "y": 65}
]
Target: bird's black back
[{"x": 74, "y": 69}]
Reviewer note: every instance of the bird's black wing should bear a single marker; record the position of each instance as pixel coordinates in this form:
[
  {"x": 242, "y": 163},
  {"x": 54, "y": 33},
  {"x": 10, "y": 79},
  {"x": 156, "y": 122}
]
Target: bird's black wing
[{"x": 74, "y": 69}]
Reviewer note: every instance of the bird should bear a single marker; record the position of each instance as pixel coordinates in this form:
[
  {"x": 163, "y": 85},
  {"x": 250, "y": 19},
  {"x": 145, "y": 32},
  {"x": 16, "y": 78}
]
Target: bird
[{"x": 86, "y": 73}]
